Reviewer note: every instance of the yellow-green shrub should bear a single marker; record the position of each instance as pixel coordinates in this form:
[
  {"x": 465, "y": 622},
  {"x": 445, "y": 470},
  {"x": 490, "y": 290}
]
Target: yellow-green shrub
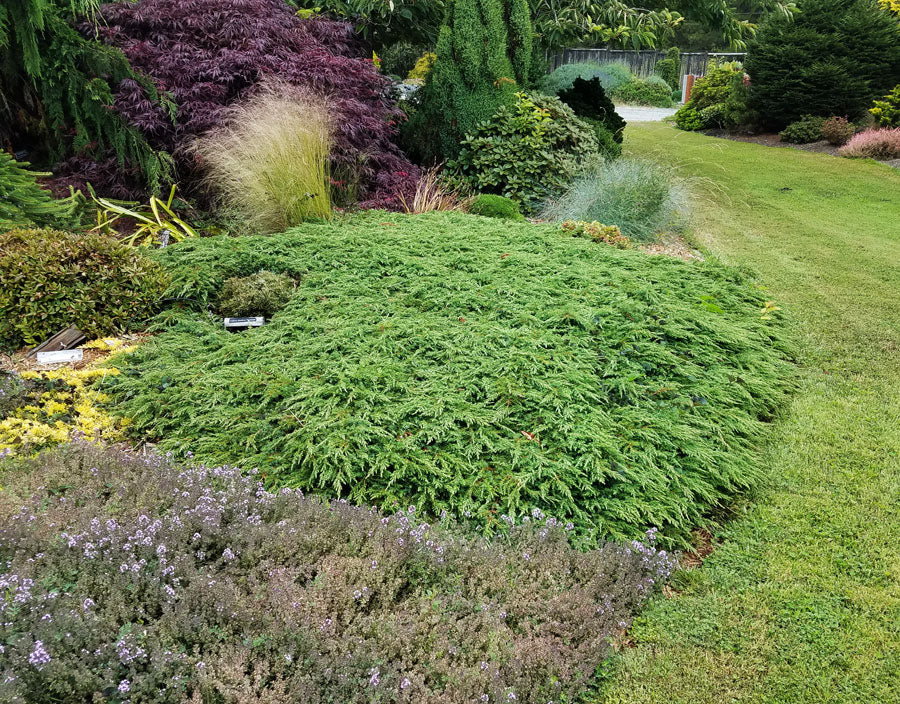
[
  {"x": 423, "y": 66},
  {"x": 58, "y": 404}
]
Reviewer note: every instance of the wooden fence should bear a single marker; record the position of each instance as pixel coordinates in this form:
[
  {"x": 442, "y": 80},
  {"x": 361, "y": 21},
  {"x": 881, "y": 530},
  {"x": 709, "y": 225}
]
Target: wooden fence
[{"x": 641, "y": 63}]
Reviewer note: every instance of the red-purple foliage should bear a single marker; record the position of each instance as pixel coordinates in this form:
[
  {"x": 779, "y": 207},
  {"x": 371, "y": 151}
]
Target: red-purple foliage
[{"x": 209, "y": 53}]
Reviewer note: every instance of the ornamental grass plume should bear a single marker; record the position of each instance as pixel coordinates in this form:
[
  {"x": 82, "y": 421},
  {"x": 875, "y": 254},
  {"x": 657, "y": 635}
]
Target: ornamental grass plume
[
  {"x": 269, "y": 161},
  {"x": 124, "y": 573},
  {"x": 881, "y": 143}
]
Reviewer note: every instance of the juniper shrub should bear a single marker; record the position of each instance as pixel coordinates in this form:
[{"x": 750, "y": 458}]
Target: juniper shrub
[{"x": 126, "y": 577}]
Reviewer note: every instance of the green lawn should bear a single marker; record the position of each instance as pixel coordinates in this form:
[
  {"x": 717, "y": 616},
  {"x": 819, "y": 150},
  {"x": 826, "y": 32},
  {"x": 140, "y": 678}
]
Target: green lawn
[{"x": 800, "y": 602}]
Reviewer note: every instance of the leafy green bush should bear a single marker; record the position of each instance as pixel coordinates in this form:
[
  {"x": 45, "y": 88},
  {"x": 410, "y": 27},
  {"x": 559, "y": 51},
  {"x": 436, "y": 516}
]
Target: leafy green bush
[
  {"x": 641, "y": 198},
  {"x": 400, "y": 58},
  {"x": 24, "y": 202},
  {"x": 834, "y": 57},
  {"x": 528, "y": 152},
  {"x": 269, "y": 162},
  {"x": 489, "y": 205},
  {"x": 688, "y": 118},
  {"x": 262, "y": 293},
  {"x": 806, "y": 129},
  {"x": 887, "y": 111},
  {"x": 718, "y": 99},
  {"x": 50, "y": 280},
  {"x": 653, "y": 91},
  {"x": 669, "y": 68},
  {"x": 461, "y": 364},
  {"x": 483, "y": 58},
  {"x": 837, "y": 130},
  {"x": 334, "y": 603}
]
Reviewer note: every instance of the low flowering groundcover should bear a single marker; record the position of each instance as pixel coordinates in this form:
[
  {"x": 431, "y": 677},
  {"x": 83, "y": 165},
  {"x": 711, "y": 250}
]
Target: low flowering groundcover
[{"x": 128, "y": 577}]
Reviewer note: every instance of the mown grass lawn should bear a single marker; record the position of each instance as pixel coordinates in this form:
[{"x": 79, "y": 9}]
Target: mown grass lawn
[{"x": 800, "y": 602}]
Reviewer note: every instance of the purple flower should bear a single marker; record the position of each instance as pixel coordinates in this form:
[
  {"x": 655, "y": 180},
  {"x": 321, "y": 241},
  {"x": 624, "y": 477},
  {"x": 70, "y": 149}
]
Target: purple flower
[
  {"x": 39, "y": 655},
  {"x": 405, "y": 683},
  {"x": 124, "y": 686},
  {"x": 375, "y": 678}
]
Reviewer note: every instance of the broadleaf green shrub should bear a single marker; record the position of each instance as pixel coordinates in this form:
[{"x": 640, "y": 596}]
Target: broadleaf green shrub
[
  {"x": 806, "y": 129},
  {"x": 641, "y": 198},
  {"x": 527, "y": 152},
  {"x": 718, "y": 99},
  {"x": 463, "y": 364},
  {"x": 262, "y": 293},
  {"x": 50, "y": 280},
  {"x": 223, "y": 581},
  {"x": 489, "y": 205}
]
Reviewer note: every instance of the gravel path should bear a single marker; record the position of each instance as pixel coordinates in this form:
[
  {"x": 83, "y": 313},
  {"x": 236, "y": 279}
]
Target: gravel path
[{"x": 634, "y": 113}]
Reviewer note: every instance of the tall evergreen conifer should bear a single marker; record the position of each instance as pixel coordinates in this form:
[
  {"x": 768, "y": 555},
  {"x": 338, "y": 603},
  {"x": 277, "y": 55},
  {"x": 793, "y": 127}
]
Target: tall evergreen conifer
[{"x": 483, "y": 57}]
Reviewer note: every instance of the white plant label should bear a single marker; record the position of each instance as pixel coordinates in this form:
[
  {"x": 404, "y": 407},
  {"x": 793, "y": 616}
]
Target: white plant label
[{"x": 60, "y": 356}]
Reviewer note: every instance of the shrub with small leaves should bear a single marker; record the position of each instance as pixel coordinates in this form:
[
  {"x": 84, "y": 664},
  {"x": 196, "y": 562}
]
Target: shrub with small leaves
[
  {"x": 887, "y": 110},
  {"x": 263, "y": 293},
  {"x": 423, "y": 66},
  {"x": 400, "y": 58},
  {"x": 652, "y": 91},
  {"x": 132, "y": 576},
  {"x": 837, "y": 130},
  {"x": 589, "y": 101},
  {"x": 493, "y": 206},
  {"x": 598, "y": 232},
  {"x": 669, "y": 68},
  {"x": 805, "y": 130},
  {"x": 50, "y": 280},
  {"x": 526, "y": 152},
  {"x": 874, "y": 144}
]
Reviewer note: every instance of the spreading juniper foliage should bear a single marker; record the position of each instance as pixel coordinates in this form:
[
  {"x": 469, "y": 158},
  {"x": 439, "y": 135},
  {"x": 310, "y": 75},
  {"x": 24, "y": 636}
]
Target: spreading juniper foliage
[
  {"x": 132, "y": 577},
  {"x": 210, "y": 53},
  {"x": 462, "y": 364}
]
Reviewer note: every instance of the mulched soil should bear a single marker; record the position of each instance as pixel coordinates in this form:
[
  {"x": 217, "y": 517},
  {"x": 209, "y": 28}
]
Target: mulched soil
[{"x": 773, "y": 140}]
